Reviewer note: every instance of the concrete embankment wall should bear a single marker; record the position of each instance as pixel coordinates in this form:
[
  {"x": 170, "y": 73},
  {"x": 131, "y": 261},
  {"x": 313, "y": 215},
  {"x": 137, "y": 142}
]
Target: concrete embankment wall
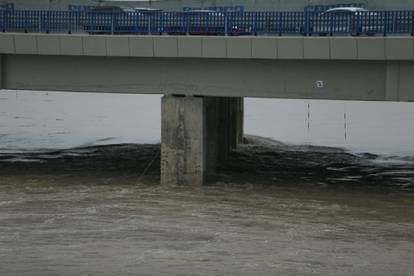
[{"x": 282, "y": 5}]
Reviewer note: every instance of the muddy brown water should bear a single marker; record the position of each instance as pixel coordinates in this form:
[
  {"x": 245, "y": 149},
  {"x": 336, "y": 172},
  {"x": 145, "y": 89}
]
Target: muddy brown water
[{"x": 270, "y": 211}]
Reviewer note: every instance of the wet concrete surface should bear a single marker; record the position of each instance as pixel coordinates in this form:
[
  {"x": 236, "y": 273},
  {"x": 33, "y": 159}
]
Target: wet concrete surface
[{"x": 273, "y": 210}]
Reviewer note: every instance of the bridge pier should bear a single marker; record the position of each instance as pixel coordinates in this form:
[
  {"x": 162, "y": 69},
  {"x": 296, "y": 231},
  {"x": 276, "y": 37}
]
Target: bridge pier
[{"x": 197, "y": 134}]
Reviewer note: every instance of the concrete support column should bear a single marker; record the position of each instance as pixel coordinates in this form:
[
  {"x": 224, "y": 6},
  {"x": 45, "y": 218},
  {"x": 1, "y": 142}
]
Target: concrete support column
[
  {"x": 239, "y": 120},
  {"x": 198, "y": 133},
  {"x": 224, "y": 128},
  {"x": 182, "y": 140},
  {"x": 214, "y": 133}
]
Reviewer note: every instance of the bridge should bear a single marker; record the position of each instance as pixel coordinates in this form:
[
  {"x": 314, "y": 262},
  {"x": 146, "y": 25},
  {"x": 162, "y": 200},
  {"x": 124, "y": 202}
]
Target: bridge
[{"x": 204, "y": 79}]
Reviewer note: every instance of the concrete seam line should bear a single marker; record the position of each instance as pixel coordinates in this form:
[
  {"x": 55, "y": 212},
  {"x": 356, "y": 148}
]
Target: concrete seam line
[
  {"x": 176, "y": 46},
  {"x": 399, "y": 80},
  {"x": 153, "y": 46},
  {"x": 329, "y": 46},
  {"x": 60, "y": 45},
  {"x": 106, "y": 47},
  {"x": 83, "y": 47},
  {"x": 304, "y": 50},
  {"x": 276, "y": 45},
  {"x": 14, "y": 44},
  {"x": 357, "y": 48},
  {"x": 251, "y": 48},
  {"x": 129, "y": 51},
  {"x": 129, "y": 47},
  {"x": 226, "y": 44},
  {"x": 36, "y": 46}
]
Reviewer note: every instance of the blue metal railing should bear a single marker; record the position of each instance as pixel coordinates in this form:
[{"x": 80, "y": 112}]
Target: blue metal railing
[{"x": 214, "y": 23}]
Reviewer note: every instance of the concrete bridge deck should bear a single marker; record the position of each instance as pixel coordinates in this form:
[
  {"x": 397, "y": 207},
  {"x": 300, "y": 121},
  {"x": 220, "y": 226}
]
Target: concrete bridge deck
[{"x": 335, "y": 68}]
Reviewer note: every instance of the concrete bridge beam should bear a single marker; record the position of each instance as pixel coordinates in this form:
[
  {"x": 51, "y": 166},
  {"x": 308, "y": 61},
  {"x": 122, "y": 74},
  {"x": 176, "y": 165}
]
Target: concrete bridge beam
[{"x": 198, "y": 133}]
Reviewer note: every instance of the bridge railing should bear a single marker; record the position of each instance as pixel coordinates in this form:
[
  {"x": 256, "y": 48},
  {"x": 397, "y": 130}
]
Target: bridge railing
[{"x": 214, "y": 23}]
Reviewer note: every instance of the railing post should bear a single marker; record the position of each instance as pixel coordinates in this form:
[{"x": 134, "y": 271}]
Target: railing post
[
  {"x": 306, "y": 23},
  {"x": 149, "y": 22},
  {"x": 357, "y": 24},
  {"x": 26, "y": 23},
  {"x": 226, "y": 23},
  {"x": 279, "y": 22},
  {"x": 39, "y": 19},
  {"x": 352, "y": 27},
  {"x": 72, "y": 22},
  {"x": 112, "y": 23},
  {"x": 77, "y": 20},
  {"x": 69, "y": 21},
  {"x": 207, "y": 22},
  {"x": 3, "y": 21},
  {"x": 254, "y": 28},
  {"x": 43, "y": 21},
  {"x": 187, "y": 24},
  {"x": 412, "y": 23},
  {"x": 45, "y": 26},
  {"x": 331, "y": 24},
  {"x": 161, "y": 26}
]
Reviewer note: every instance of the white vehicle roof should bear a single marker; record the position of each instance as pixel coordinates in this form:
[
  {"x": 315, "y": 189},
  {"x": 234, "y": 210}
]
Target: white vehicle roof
[
  {"x": 346, "y": 9},
  {"x": 147, "y": 9}
]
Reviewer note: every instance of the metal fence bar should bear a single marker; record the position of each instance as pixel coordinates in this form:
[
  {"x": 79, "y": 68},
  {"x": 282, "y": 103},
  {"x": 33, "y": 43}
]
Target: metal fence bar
[{"x": 412, "y": 23}]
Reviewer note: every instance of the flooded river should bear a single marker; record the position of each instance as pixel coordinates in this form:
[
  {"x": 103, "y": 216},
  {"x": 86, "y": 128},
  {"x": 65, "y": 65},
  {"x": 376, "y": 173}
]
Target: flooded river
[
  {"x": 106, "y": 224},
  {"x": 79, "y": 192}
]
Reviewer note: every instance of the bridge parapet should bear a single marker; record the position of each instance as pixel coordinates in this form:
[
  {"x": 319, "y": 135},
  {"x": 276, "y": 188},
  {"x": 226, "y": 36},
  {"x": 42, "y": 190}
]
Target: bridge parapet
[
  {"x": 246, "y": 47},
  {"x": 308, "y": 23}
]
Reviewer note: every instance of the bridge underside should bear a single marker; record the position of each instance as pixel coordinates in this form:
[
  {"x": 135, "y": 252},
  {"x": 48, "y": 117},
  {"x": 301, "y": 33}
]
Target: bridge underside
[{"x": 295, "y": 79}]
